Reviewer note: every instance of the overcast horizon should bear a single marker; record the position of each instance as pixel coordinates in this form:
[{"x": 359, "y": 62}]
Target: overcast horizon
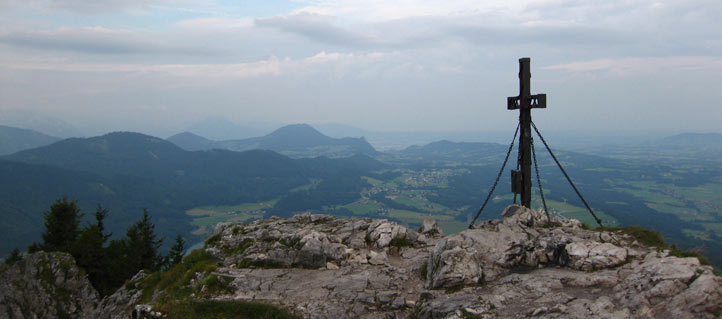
[{"x": 154, "y": 66}]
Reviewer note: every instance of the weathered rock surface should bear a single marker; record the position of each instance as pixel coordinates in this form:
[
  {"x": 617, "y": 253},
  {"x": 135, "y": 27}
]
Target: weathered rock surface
[
  {"x": 310, "y": 241},
  {"x": 46, "y": 285},
  {"x": 521, "y": 266},
  {"x": 122, "y": 303}
]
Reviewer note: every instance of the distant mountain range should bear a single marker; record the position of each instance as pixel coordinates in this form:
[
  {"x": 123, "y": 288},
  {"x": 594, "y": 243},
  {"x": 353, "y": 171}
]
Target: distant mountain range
[
  {"x": 127, "y": 172},
  {"x": 219, "y": 128},
  {"x": 192, "y": 142},
  {"x": 40, "y": 123},
  {"x": 14, "y": 139},
  {"x": 297, "y": 141},
  {"x": 447, "y": 151},
  {"x": 698, "y": 139}
]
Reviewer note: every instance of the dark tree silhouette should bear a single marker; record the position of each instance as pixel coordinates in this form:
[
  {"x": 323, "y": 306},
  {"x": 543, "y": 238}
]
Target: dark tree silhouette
[
  {"x": 14, "y": 257},
  {"x": 175, "y": 255},
  {"x": 143, "y": 246},
  {"x": 61, "y": 226}
]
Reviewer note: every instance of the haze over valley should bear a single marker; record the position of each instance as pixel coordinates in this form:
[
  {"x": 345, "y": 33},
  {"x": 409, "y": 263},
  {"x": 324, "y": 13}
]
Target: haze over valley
[{"x": 669, "y": 184}]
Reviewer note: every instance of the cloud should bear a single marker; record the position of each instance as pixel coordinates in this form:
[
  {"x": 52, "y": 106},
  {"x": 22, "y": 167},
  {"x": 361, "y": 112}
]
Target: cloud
[
  {"x": 82, "y": 6},
  {"x": 216, "y": 23},
  {"x": 99, "y": 6},
  {"x": 96, "y": 40},
  {"x": 646, "y": 27},
  {"x": 382, "y": 10},
  {"x": 263, "y": 67},
  {"x": 314, "y": 26},
  {"x": 271, "y": 66},
  {"x": 642, "y": 66}
]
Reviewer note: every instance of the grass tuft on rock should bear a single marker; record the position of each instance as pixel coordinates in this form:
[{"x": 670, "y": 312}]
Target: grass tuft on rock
[
  {"x": 400, "y": 242},
  {"x": 175, "y": 282},
  {"x": 653, "y": 238}
]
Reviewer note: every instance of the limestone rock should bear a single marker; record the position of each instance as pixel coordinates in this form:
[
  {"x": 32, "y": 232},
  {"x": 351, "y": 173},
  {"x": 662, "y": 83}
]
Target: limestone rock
[
  {"x": 121, "y": 304},
  {"x": 46, "y": 285},
  {"x": 588, "y": 255},
  {"x": 519, "y": 267},
  {"x": 430, "y": 228},
  {"x": 307, "y": 241}
]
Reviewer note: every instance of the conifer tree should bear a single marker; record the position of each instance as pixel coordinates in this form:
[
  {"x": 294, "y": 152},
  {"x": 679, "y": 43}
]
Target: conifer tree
[
  {"x": 175, "y": 255},
  {"x": 14, "y": 257},
  {"x": 142, "y": 245},
  {"x": 90, "y": 252},
  {"x": 61, "y": 226}
]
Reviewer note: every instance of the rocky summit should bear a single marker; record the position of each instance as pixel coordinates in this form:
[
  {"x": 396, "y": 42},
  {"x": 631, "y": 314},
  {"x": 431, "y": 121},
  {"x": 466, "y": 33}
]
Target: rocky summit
[{"x": 520, "y": 266}]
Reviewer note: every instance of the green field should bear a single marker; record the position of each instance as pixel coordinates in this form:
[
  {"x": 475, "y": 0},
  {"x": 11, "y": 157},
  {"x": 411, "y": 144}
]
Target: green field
[{"x": 363, "y": 207}]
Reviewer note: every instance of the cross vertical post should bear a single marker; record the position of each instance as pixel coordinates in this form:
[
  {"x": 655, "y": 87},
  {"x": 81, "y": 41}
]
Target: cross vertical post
[{"x": 521, "y": 179}]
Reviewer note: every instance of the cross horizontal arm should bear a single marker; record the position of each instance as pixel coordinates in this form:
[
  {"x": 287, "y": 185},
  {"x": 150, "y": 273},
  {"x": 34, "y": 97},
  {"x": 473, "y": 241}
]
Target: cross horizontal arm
[{"x": 538, "y": 101}]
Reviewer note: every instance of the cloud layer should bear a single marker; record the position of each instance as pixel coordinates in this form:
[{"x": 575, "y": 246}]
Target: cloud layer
[{"x": 411, "y": 64}]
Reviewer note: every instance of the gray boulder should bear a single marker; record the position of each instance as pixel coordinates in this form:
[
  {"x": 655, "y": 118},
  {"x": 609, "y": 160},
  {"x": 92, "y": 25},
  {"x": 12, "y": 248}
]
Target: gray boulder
[{"x": 46, "y": 285}]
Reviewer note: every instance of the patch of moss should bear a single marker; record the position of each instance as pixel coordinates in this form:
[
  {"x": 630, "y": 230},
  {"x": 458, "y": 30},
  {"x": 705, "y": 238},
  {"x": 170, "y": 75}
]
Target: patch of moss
[
  {"x": 217, "y": 309},
  {"x": 262, "y": 264},
  {"x": 240, "y": 249},
  {"x": 468, "y": 315},
  {"x": 424, "y": 270},
  {"x": 217, "y": 285},
  {"x": 400, "y": 242},
  {"x": 213, "y": 239}
]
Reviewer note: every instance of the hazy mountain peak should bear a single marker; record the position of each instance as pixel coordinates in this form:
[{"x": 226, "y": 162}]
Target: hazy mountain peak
[
  {"x": 14, "y": 139},
  {"x": 303, "y": 130},
  {"x": 693, "y": 138},
  {"x": 193, "y": 142},
  {"x": 41, "y": 123}
]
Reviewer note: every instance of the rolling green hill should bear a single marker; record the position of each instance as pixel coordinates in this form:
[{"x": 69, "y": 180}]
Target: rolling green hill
[{"x": 126, "y": 172}]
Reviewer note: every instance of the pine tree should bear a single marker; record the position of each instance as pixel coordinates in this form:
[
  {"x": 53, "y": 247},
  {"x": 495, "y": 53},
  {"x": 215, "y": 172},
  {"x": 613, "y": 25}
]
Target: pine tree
[
  {"x": 61, "y": 226},
  {"x": 90, "y": 253},
  {"x": 142, "y": 245},
  {"x": 175, "y": 255},
  {"x": 14, "y": 257}
]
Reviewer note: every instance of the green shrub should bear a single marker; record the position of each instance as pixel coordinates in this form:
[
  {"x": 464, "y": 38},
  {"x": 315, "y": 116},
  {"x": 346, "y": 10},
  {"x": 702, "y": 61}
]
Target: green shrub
[
  {"x": 215, "y": 285},
  {"x": 367, "y": 239},
  {"x": 400, "y": 242},
  {"x": 213, "y": 239},
  {"x": 175, "y": 282}
]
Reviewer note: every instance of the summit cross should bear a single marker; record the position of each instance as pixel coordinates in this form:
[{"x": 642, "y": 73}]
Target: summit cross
[{"x": 521, "y": 179}]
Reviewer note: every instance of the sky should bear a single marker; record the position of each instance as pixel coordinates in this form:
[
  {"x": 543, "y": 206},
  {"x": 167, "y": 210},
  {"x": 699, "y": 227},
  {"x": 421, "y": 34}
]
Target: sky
[{"x": 411, "y": 65}]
